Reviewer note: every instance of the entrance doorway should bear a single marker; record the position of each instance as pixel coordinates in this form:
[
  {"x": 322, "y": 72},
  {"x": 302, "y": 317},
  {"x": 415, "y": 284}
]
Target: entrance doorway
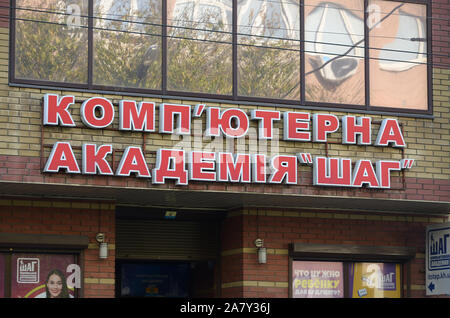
[{"x": 159, "y": 256}]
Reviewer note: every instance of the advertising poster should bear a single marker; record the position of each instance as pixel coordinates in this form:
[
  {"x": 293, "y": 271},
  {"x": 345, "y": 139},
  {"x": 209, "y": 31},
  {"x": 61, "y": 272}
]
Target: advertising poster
[
  {"x": 438, "y": 259},
  {"x": 317, "y": 279},
  {"x": 375, "y": 280},
  {"x": 44, "y": 276},
  {"x": 2, "y": 275}
]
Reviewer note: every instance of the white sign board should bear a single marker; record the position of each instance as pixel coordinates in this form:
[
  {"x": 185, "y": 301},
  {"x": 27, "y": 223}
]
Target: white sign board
[{"x": 438, "y": 259}]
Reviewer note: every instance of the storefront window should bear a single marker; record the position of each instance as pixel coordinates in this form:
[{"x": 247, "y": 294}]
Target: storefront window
[
  {"x": 374, "y": 280},
  {"x": 327, "y": 279}
]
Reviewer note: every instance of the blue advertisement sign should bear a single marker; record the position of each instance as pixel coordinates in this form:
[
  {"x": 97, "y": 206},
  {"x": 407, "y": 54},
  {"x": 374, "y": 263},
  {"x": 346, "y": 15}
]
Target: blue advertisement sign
[{"x": 438, "y": 259}]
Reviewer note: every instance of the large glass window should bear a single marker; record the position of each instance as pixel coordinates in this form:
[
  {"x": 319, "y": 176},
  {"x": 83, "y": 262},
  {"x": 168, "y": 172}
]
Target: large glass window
[
  {"x": 334, "y": 51},
  {"x": 199, "y": 46},
  {"x": 268, "y": 60},
  {"x": 293, "y": 52},
  {"x": 398, "y": 56},
  {"x": 127, "y": 43},
  {"x": 50, "y": 45}
]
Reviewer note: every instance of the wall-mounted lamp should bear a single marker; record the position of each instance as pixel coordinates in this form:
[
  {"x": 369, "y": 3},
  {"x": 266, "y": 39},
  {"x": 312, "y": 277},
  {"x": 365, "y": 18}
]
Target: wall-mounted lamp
[
  {"x": 262, "y": 251},
  {"x": 103, "y": 246}
]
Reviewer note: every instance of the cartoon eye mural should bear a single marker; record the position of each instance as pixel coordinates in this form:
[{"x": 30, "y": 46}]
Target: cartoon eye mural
[
  {"x": 334, "y": 51},
  {"x": 408, "y": 49},
  {"x": 332, "y": 31}
]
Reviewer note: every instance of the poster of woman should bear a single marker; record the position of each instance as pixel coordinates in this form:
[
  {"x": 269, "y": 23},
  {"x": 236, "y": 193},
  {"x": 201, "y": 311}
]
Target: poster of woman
[{"x": 42, "y": 276}]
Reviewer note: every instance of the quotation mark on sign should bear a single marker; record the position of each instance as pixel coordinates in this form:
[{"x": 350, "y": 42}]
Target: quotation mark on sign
[
  {"x": 305, "y": 158},
  {"x": 407, "y": 163}
]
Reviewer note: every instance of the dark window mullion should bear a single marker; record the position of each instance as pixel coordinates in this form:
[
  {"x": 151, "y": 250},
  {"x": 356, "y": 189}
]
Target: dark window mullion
[
  {"x": 366, "y": 56},
  {"x": 164, "y": 48},
  {"x": 302, "y": 52},
  {"x": 90, "y": 43},
  {"x": 234, "y": 53}
]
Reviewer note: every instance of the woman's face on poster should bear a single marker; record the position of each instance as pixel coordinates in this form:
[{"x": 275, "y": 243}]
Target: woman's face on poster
[{"x": 54, "y": 285}]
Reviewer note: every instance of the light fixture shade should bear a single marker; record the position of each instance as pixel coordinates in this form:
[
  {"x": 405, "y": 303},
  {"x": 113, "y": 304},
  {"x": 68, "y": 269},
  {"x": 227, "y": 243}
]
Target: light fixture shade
[
  {"x": 103, "y": 250},
  {"x": 262, "y": 255}
]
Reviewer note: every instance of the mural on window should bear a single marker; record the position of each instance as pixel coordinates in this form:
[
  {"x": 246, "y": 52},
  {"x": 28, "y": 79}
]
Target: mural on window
[
  {"x": 127, "y": 43},
  {"x": 51, "y": 40},
  {"x": 398, "y": 56},
  {"x": 269, "y": 48},
  {"x": 44, "y": 276},
  {"x": 199, "y": 44},
  {"x": 334, "y": 51}
]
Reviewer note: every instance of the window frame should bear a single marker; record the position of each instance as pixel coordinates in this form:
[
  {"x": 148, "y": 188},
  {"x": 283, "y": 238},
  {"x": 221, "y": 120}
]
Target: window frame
[{"x": 235, "y": 98}]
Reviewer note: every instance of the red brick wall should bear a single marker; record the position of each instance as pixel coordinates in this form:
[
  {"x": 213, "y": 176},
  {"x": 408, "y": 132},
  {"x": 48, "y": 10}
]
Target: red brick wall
[
  {"x": 279, "y": 228},
  {"x": 68, "y": 218}
]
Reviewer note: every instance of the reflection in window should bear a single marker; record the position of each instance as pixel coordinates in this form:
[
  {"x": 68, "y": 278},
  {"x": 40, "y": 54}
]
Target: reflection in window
[
  {"x": 269, "y": 48},
  {"x": 334, "y": 51},
  {"x": 398, "y": 70},
  {"x": 50, "y": 44},
  {"x": 199, "y": 57},
  {"x": 127, "y": 43}
]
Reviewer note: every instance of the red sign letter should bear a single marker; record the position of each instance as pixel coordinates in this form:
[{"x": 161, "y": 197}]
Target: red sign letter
[
  {"x": 94, "y": 159},
  {"x": 384, "y": 172},
  {"x": 234, "y": 170},
  {"x": 284, "y": 167},
  {"x": 202, "y": 160},
  {"x": 170, "y": 164},
  {"x": 89, "y": 117},
  {"x": 136, "y": 117},
  {"x": 266, "y": 118},
  {"x": 364, "y": 173},
  {"x": 332, "y": 171},
  {"x": 356, "y": 130},
  {"x": 62, "y": 157},
  {"x": 294, "y": 123},
  {"x": 390, "y": 132},
  {"x": 322, "y": 125},
  {"x": 55, "y": 110},
  {"x": 224, "y": 121},
  {"x": 133, "y": 161},
  {"x": 167, "y": 114}
]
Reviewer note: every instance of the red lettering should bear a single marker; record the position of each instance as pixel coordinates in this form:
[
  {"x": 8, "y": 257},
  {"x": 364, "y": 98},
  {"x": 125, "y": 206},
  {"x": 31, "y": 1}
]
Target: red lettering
[
  {"x": 234, "y": 169},
  {"x": 199, "y": 162},
  {"x": 265, "y": 125},
  {"x": 232, "y": 122},
  {"x": 390, "y": 132},
  {"x": 62, "y": 157},
  {"x": 383, "y": 168},
  {"x": 259, "y": 168},
  {"x": 56, "y": 110},
  {"x": 364, "y": 173},
  {"x": 356, "y": 130},
  {"x": 134, "y": 117},
  {"x": 88, "y": 112},
  {"x": 133, "y": 161},
  {"x": 294, "y": 124},
  {"x": 167, "y": 114},
  {"x": 323, "y": 124},
  {"x": 170, "y": 165},
  {"x": 284, "y": 167},
  {"x": 94, "y": 159},
  {"x": 332, "y": 171}
]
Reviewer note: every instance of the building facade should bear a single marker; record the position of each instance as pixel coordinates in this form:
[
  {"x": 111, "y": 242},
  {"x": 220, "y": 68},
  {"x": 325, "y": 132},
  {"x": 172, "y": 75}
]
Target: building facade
[{"x": 222, "y": 148}]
